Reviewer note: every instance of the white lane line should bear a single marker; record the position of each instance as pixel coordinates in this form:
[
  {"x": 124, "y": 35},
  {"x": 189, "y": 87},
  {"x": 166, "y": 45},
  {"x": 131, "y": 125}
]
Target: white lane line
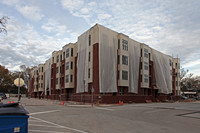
[
  {"x": 43, "y": 131},
  {"x": 43, "y": 112},
  {"x": 59, "y": 125},
  {"x": 33, "y": 120},
  {"x": 36, "y": 125},
  {"x": 155, "y": 111},
  {"x": 104, "y": 108}
]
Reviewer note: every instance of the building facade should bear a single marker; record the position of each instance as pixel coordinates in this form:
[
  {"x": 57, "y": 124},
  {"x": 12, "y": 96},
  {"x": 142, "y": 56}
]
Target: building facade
[{"x": 107, "y": 66}]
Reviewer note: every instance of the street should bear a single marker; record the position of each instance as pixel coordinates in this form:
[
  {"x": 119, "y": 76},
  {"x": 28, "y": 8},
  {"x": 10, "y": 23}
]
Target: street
[{"x": 49, "y": 116}]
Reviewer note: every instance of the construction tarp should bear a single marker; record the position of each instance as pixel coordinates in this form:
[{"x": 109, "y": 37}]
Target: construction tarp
[
  {"x": 134, "y": 63},
  {"x": 82, "y": 63},
  {"x": 107, "y": 60},
  {"x": 47, "y": 76},
  {"x": 162, "y": 72}
]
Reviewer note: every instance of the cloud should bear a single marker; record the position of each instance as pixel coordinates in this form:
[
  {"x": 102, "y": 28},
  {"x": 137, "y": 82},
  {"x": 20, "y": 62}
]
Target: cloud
[
  {"x": 30, "y": 12},
  {"x": 90, "y": 11},
  {"x": 10, "y": 2},
  {"x": 54, "y": 26},
  {"x": 72, "y": 5},
  {"x": 24, "y": 45}
]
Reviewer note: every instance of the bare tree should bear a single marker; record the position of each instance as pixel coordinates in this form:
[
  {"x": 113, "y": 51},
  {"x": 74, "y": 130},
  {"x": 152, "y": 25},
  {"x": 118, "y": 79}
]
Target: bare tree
[{"x": 3, "y": 22}]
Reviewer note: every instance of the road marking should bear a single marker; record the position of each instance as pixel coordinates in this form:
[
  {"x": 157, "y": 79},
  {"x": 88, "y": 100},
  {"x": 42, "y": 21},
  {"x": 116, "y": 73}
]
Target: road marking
[
  {"x": 43, "y": 112},
  {"x": 104, "y": 108},
  {"x": 43, "y": 131},
  {"x": 36, "y": 125},
  {"x": 59, "y": 125},
  {"x": 155, "y": 111},
  {"x": 33, "y": 120}
]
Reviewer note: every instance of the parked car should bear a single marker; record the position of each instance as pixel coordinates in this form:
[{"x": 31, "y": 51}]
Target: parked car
[
  {"x": 3, "y": 96},
  {"x": 197, "y": 98},
  {"x": 184, "y": 97}
]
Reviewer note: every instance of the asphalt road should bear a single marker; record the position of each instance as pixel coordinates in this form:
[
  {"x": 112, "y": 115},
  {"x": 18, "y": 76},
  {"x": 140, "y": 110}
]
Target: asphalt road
[{"x": 53, "y": 117}]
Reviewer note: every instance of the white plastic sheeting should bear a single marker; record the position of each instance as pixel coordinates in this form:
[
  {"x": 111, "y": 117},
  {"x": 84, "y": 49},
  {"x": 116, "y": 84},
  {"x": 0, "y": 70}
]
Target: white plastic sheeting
[
  {"x": 82, "y": 63},
  {"x": 48, "y": 76},
  {"x": 134, "y": 63},
  {"x": 162, "y": 72},
  {"x": 107, "y": 60}
]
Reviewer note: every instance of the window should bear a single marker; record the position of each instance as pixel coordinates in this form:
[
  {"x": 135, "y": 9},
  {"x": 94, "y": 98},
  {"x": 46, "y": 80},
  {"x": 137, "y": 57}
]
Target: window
[
  {"x": 39, "y": 70},
  {"x": 146, "y": 78},
  {"x": 67, "y": 78},
  {"x": 176, "y": 83},
  {"x": 124, "y": 75},
  {"x": 71, "y": 78},
  {"x": 125, "y": 44},
  {"x": 41, "y": 77},
  {"x": 124, "y": 60},
  {"x": 146, "y": 53},
  {"x": 143, "y": 91},
  {"x": 118, "y": 59},
  {"x": 57, "y": 59},
  {"x": 67, "y": 53},
  {"x": 89, "y": 40},
  {"x": 42, "y": 69},
  {"x": 118, "y": 43},
  {"x": 64, "y": 54},
  {"x": 141, "y": 52},
  {"x": 176, "y": 65},
  {"x": 141, "y": 78},
  {"x": 57, "y": 69},
  {"x": 121, "y": 90},
  {"x": 141, "y": 65},
  {"x": 56, "y": 80},
  {"x": 53, "y": 59},
  {"x": 118, "y": 75},
  {"x": 41, "y": 85},
  {"x": 89, "y": 73},
  {"x": 61, "y": 57},
  {"x": 67, "y": 65},
  {"x": 89, "y": 57},
  {"x": 146, "y": 66},
  {"x": 170, "y": 62},
  {"x": 71, "y": 65},
  {"x": 71, "y": 52}
]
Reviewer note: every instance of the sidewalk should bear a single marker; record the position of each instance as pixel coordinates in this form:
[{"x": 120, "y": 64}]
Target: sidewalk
[{"x": 45, "y": 102}]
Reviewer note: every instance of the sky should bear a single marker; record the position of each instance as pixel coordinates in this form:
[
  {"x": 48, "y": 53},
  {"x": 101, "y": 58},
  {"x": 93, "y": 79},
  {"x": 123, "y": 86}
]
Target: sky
[{"x": 38, "y": 27}]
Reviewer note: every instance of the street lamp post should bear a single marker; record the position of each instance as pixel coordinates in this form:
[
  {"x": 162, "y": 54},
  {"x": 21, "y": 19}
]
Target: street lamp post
[
  {"x": 84, "y": 91},
  {"x": 19, "y": 88}
]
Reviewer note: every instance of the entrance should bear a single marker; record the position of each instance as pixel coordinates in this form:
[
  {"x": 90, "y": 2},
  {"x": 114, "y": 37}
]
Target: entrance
[{"x": 70, "y": 92}]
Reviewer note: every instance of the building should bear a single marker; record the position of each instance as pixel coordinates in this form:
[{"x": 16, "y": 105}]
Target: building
[{"x": 111, "y": 67}]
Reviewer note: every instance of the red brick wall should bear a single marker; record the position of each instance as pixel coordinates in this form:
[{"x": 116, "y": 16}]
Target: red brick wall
[
  {"x": 63, "y": 74},
  {"x": 53, "y": 81},
  {"x": 95, "y": 83},
  {"x": 75, "y": 74}
]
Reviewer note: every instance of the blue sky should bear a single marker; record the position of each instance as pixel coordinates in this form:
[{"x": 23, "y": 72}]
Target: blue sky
[{"x": 37, "y": 27}]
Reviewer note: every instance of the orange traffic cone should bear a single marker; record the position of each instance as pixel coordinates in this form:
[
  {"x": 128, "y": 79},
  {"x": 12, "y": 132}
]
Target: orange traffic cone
[
  {"x": 9, "y": 102},
  {"x": 120, "y": 102},
  {"x": 63, "y": 103}
]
